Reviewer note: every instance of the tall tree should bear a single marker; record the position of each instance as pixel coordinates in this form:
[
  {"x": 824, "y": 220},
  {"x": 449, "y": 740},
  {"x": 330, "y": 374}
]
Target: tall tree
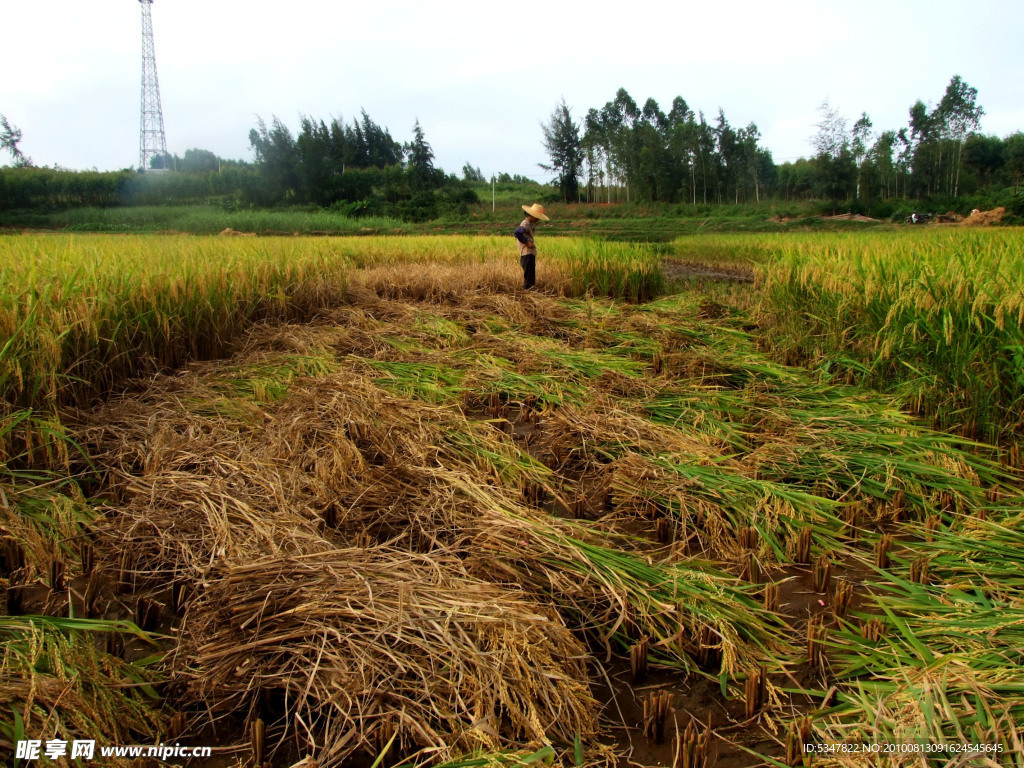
[
  {"x": 983, "y": 156},
  {"x": 707, "y": 158},
  {"x": 831, "y": 139},
  {"x": 1013, "y": 156},
  {"x": 730, "y": 150},
  {"x": 564, "y": 147},
  {"x": 316, "y": 166},
  {"x": 924, "y": 141},
  {"x": 881, "y": 156},
  {"x": 420, "y": 158},
  {"x": 381, "y": 149},
  {"x": 10, "y": 137},
  {"x": 753, "y": 157},
  {"x": 653, "y": 165},
  {"x": 277, "y": 157},
  {"x": 469, "y": 173},
  {"x": 859, "y": 144},
  {"x": 960, "y": 114},
  {"x": 834, "y": 160}
]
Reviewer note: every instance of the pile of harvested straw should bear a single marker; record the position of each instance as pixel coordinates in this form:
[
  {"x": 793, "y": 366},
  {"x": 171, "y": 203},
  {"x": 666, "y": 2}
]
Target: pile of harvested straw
[{"x": 359, "y": 645}]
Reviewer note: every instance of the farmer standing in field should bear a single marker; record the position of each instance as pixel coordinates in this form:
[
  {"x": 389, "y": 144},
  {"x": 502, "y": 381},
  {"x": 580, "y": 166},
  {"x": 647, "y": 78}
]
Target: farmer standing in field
[{"x": 527, "y": 250}]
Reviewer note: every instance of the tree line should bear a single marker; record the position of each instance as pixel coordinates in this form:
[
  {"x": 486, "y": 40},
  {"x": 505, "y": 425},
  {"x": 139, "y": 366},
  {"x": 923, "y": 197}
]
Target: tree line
[
  {"x": 618, "y": 153},
  {"x": 356, "y": 168},
  {"x": 623, "y": 151}
]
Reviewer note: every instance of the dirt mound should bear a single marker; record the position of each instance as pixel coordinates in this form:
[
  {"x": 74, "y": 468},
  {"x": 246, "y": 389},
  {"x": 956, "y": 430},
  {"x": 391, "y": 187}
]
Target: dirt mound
[
  {"x": 984, "y": 218},
  {"x": 229, "y": 232}
]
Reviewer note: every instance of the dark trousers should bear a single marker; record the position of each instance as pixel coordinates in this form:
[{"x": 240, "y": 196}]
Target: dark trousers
[{"x": 529, "y": 264}]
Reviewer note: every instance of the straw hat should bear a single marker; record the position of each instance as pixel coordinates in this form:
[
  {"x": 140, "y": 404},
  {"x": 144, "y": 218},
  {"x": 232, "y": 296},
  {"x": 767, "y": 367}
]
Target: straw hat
[{"x": 537, "y": 211}]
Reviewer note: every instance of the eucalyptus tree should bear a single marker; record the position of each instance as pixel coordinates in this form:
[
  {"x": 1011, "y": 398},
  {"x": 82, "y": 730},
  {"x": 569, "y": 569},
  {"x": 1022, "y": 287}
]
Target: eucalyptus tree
[
  {"x": 859, "y": 145},
  {"x": 882, "y": 157},
  {"x": 960, "y": 114},
  {"x": 596, "y": 155},
  {"x": 682, "y": 147},
  {"x": 753, "y": 156},
  {"x": 984, "y": 156},
  {"x": 708, "y": 159},
  {"x": 622, "y": 114},
  {"x": 730, "y": 151},
  {"x": 654, "y": 172},
  {"x": 834, "y": 158},
  {"x": 904, "y": 159}
]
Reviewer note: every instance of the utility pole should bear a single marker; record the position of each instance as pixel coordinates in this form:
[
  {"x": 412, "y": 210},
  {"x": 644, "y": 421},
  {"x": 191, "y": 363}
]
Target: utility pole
[{"x": 152, "y": 141}]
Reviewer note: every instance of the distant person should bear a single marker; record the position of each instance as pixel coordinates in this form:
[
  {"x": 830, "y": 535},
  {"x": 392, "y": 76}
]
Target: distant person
[
  {"x": 913, "y": 218},
  {"x": 527, "y": 249}
]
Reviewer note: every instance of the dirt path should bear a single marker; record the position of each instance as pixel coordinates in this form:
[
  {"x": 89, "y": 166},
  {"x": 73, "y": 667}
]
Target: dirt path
[{"x": 675, "y": 270}]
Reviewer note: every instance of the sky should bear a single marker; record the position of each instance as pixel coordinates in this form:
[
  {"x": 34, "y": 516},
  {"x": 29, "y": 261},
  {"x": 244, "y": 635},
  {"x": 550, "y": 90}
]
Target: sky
[{"x": 481, "y": 77}]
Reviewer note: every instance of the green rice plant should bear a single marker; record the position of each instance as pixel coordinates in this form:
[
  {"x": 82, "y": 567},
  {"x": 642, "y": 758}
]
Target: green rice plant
[
  {"x": 974, "y": 556},
  {"x": 626, "y": 271},
  {"x": 714, "y": 414},
  {"x": 590, "y": 365},
  {"x": 490, "y": 373},
  {"x": 449, "y": 335},
  {"x": 429, "y": 382},
  {"x": 58, "y": 685},
  {"x": 720, "y": 499},
  {"x": 932, "y": 679},
  {"x": 944, "y": 666},
  {"x": 691, "y": 611},
  {"x": 269, "y": 380},
  {"x": 784, "y": 425},
  {"x": 509, "y": 465},
  {"x": 507, "y": 759},
  {"x": 42, "y": 510}
]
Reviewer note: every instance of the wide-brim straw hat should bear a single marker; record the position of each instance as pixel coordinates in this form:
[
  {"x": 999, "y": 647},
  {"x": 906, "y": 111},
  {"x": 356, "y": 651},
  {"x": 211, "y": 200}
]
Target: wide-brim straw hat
[{"x": 537, "y": 211}]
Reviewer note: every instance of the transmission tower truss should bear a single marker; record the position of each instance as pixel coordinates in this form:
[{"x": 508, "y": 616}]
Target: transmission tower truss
[{"x": 152, "y": 142}]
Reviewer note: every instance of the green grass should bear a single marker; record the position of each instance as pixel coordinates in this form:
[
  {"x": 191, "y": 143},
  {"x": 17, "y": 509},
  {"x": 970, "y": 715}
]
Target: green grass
[{"x": 203, "y": 220}]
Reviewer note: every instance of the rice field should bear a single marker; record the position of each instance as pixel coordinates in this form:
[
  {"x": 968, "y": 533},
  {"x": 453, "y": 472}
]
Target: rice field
[
  {"x": 361, "y": 501},
  {"x": 935, "y": 318}
]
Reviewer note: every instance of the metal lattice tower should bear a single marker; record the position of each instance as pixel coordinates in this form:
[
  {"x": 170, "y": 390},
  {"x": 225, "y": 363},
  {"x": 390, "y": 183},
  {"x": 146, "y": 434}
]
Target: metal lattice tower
[{"x": 152, "y": 141}]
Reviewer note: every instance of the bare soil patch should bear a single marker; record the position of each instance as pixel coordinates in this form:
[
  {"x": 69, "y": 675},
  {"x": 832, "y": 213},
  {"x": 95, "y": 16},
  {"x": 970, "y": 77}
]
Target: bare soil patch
[{"x": 676, "y": 270}]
